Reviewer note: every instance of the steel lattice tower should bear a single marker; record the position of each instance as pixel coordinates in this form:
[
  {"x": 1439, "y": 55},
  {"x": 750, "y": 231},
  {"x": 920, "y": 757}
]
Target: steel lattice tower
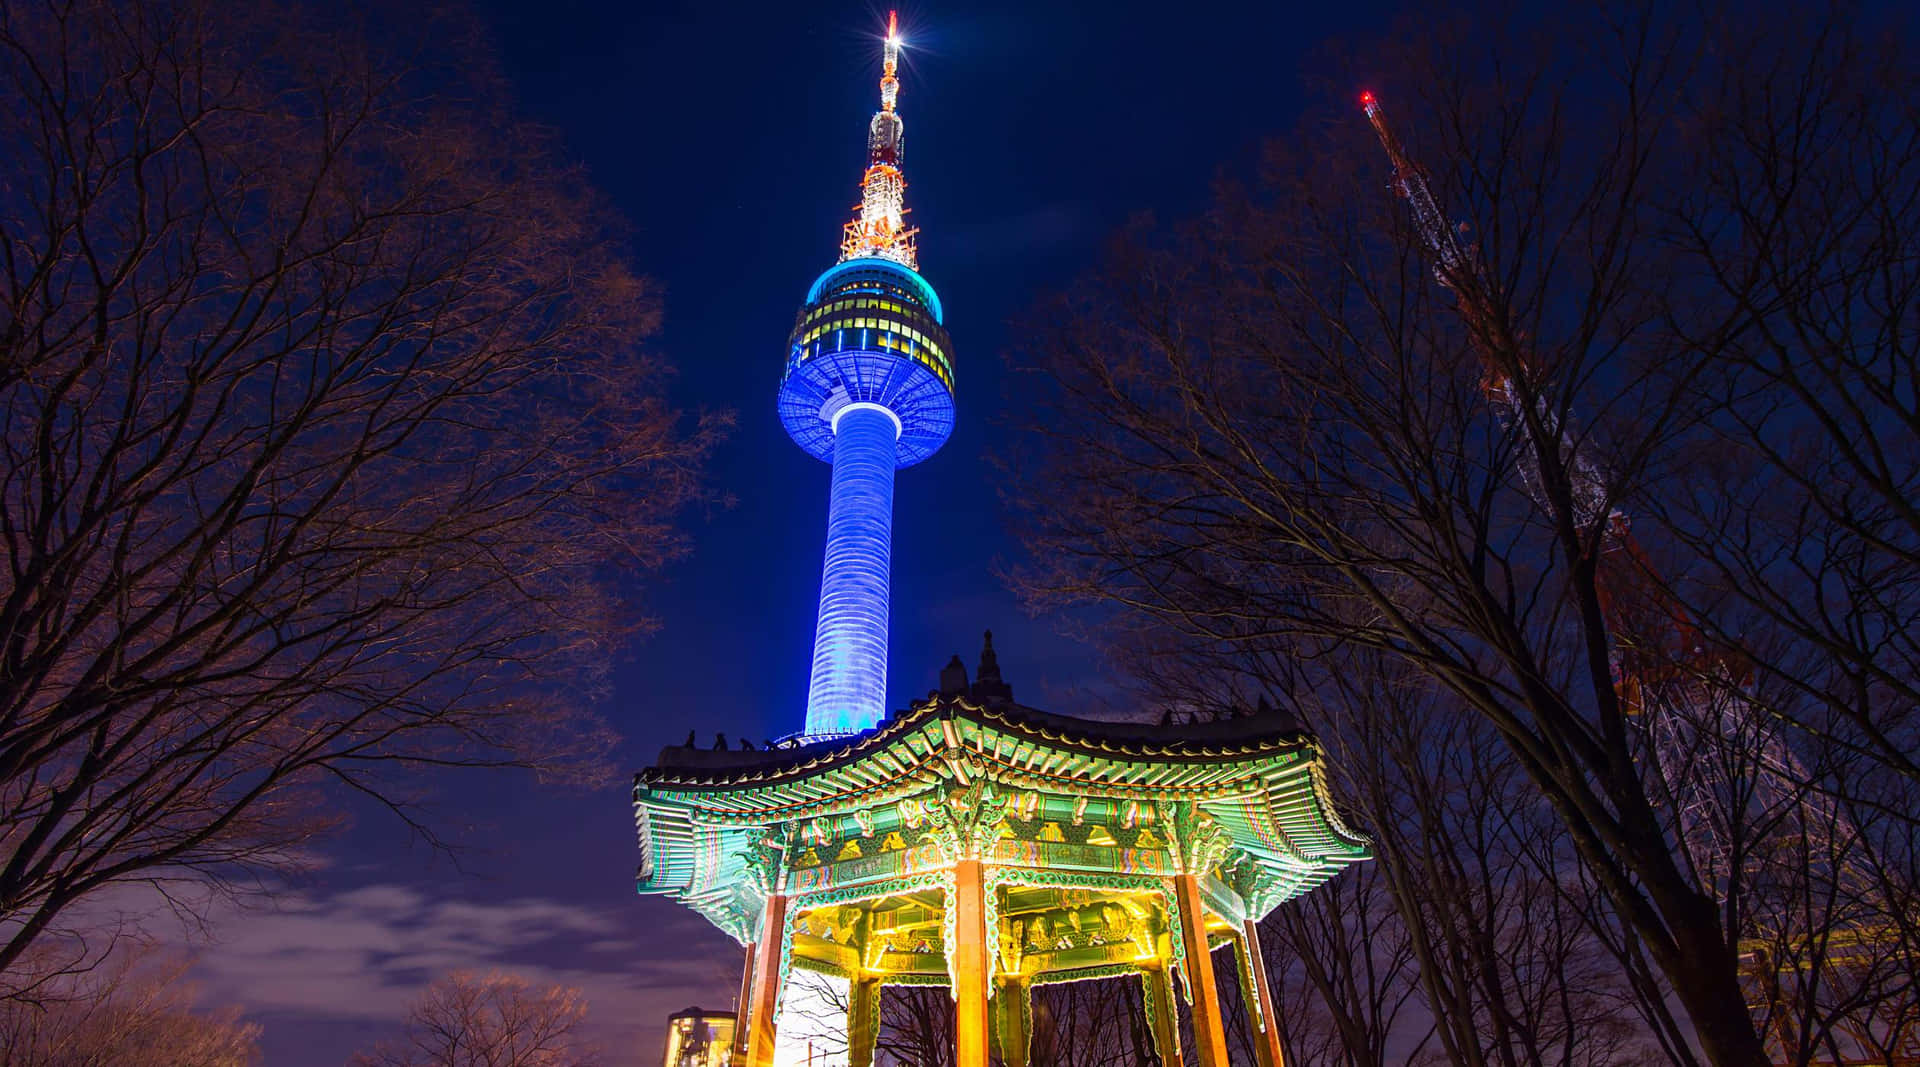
[
  {"x": 868, "y": 388},
  {"x": 1694, "y": 714}
]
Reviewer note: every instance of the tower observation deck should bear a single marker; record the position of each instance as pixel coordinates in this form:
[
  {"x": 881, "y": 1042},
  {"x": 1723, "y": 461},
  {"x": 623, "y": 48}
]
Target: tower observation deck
[{"x": 868, "y": 388}]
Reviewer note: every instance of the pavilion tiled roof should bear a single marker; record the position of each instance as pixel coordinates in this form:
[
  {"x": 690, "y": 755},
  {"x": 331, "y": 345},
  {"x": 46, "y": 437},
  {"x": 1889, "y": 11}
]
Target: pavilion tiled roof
[{"x": 1258, "y": 776}]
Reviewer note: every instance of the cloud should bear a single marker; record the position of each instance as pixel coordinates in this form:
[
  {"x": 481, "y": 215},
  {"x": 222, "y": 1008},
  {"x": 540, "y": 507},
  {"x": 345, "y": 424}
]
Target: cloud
[{"x": 363, "y": 955}]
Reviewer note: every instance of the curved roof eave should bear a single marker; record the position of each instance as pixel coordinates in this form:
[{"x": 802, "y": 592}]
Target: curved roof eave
[{"x": 1244, "y": 742}]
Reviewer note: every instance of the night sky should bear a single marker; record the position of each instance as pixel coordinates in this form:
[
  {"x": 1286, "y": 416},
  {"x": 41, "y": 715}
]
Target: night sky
[{"x": 733, "y": 136}]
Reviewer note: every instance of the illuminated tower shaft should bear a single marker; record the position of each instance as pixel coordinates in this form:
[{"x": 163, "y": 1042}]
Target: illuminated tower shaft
[
  {"x": 850, "y": 643},
  {"x": 869, "y": 389}
]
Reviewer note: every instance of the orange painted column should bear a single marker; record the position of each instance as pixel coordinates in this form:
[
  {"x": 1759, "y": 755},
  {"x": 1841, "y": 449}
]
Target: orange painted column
[
  {"x": 969, "y": 966},
  {"x": 1266, "y": 1043},
  {"x": 740, "y": 1003},
  {"x": 1202, "y": 993},
  {"x": 766, "y": 983}
]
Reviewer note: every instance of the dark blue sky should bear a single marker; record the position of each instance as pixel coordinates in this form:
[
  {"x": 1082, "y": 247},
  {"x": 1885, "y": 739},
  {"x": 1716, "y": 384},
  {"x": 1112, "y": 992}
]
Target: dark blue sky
[{"x": 732, "y": 136}]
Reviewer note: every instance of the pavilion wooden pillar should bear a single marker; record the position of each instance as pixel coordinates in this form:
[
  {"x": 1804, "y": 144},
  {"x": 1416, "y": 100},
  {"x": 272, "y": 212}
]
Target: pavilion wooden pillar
[
  {"x": 740, "y": 1002},
  {"x": 863, "y": 1019},
  {"x": 766, "y": 983},
  {"x": 1012, "y": 1019},
  {"x": 1202, "y": 991},
  {"x": 1266, "y": 1041},
  {"x": 1163, "y": 1019},
  {"x": 969, "y": 965}
]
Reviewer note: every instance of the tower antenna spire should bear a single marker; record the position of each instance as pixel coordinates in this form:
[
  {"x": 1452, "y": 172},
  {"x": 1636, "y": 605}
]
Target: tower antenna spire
[
  {"x": 879, "y": 229},
  {"x": 890, "y": 63}
]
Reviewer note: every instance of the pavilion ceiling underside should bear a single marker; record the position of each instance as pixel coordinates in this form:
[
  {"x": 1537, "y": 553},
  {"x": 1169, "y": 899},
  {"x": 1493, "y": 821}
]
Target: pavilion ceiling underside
[{"x": 1038, "y": 931}]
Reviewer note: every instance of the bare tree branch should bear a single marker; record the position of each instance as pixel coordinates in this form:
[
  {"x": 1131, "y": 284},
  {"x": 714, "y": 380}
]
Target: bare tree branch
[{"x": 326, "y": 430}]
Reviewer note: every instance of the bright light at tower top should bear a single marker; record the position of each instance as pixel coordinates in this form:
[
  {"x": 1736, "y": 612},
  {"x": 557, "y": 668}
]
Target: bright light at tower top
[
  {"x": 880, "y": 229},
  {"x": 890, "y": 64}
]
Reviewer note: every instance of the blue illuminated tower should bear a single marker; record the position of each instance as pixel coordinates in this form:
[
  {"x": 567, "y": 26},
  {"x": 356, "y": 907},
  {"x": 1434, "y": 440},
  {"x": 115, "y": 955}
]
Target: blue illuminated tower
[{"x": 868, "y": 388}]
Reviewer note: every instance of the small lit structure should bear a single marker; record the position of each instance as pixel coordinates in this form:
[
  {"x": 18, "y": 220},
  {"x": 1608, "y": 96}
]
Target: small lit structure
[
  {"x": 968, "y": 841},
  {"x": 699, "y": 1038}
]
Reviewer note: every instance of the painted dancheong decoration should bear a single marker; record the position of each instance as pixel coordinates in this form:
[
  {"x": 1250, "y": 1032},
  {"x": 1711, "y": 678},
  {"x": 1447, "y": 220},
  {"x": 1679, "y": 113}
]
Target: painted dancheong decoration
[{"x": 968, "y": 841}]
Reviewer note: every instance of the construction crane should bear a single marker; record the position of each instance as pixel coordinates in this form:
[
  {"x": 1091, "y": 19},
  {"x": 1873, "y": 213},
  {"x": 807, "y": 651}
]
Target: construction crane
[{"x": 1690, "y": 699}]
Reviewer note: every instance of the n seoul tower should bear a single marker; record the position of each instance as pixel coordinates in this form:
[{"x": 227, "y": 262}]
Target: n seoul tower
[{"x": 868, "y": 388}]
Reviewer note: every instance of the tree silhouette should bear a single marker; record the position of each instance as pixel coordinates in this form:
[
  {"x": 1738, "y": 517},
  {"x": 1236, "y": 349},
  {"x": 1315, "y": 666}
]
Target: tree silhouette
[
  {"x": 326, "y": 432},
  {"x": 1271, "y": 437},
  {"x": 490, "y": 1020}
]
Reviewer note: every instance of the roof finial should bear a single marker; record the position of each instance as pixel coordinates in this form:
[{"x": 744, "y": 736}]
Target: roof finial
[{"x": 987, "y": 683}]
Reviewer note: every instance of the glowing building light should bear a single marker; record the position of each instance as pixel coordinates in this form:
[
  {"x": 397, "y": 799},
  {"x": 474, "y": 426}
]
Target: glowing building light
[{"x": 869, "y": 389}]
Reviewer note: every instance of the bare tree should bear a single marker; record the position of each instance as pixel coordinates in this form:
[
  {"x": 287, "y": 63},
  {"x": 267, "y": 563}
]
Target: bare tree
[
  {"x": 1789, "y": 510},
  {"x": 916, "y": 1026},
  {"x": 1510, "y": 948},
  {"x": 490, "y": 1020},
  {"x": 1272, "y": 428},
  {"x": 1098, "y": 1023},
  {"x": 1473, "y": 938},
  {"x": 1343, "y": 979},
  {"x": 814, "y": 1008},
  {"x": 1342, "y": 968},
  {"x": 134, "y": 1012},
  {"x": 1797, "y": 527},
  {"x": 326, "y": 430}
]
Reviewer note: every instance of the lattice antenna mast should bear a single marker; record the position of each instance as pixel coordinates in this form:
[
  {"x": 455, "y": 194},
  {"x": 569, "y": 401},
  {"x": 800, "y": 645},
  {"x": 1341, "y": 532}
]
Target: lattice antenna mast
[
  {"x": 1689, "y": 713},
  {"x": 1458, "y": 268},
  {"x": 1691, "y": 707},
  {"x": 1451, "y": 260},
  {"x": 880, "y": 228}
]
